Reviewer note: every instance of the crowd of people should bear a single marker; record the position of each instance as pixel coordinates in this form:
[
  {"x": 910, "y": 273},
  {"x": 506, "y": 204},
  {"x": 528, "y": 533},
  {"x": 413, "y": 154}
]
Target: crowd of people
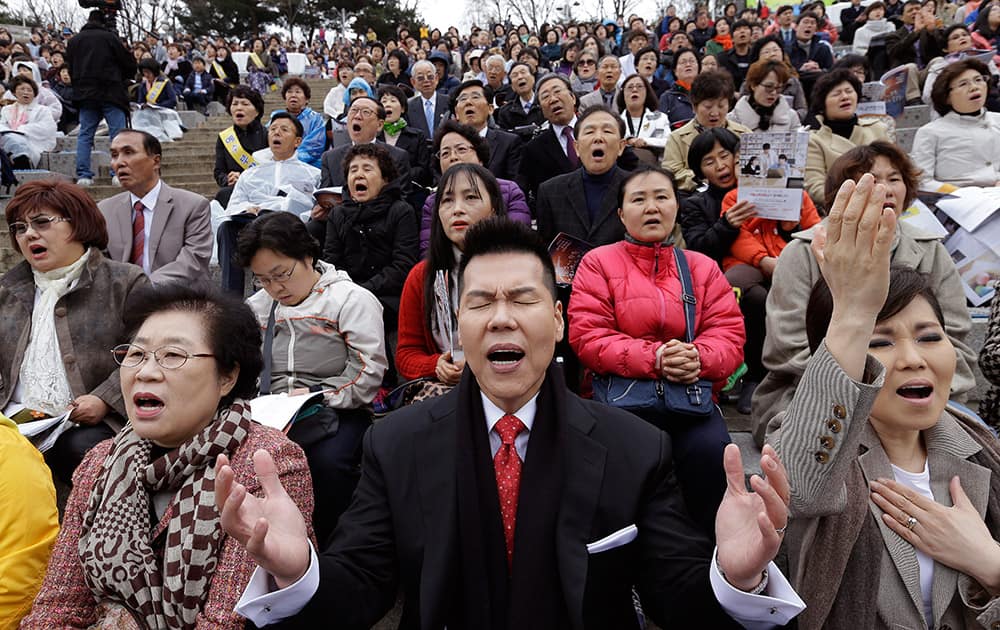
[{"x": 484, "y": 241}]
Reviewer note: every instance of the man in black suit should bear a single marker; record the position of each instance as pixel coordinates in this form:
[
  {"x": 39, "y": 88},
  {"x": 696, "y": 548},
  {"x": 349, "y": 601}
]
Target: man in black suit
[
  {"x": 472, "y": 104},
  {"x": 521, "y": 114},
  {"x": 476, "y": 535},
  {"x": 365, "y": 119},
  {"x": 584, "y": 202},
  {"x": 428, "y": 108},
  {"x": 548, "y": 153}
]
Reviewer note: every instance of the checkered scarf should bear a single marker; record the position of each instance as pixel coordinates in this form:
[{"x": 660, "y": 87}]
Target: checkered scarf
[{"x": 117, "y": 551}]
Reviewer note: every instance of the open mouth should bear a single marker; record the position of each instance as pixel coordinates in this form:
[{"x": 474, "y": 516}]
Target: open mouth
[
  {"x": 459, "y": 225},
  {"x": 652, "y": 221},
  {"x": 360, "y": 187},
  {"x": 506, "y": 356},
  {"x": 37, "y": 250},
  {"x": 356, "y": 127},
  {"x": 147, "y": 405},
  {"x": 916, "y": 391},
  {"x": 597, "y": 153}
]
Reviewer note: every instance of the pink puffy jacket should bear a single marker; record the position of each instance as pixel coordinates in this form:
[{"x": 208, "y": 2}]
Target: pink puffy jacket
[{"x": 626, "y": 303}]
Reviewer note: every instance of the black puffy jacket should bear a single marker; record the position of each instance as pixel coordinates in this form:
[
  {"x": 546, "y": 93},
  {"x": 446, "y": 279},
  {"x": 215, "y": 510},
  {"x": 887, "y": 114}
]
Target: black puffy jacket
[{"x": 100, "y": 67}]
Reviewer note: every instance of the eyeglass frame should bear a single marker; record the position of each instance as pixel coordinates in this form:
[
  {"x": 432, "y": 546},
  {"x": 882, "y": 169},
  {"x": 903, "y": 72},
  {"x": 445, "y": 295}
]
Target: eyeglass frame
[
  {"x": 967, "y": 83},
  {"x": 146, "y": 353},
  {"x": 262, "y": 282},
  {"x": 460, "y": 150},
  {"x": 770, "y": 88},
  {"x": 38, "y": 227}
]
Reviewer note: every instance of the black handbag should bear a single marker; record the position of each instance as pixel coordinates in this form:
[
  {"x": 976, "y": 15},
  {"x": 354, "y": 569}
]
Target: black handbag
[{"x": 658, "y": 398}]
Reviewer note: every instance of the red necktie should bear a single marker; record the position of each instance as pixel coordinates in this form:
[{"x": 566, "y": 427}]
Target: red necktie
[
  {"x": 574, "y": 159},
  {"x": 138, "y": 234},
  {"x": 507, "y": 464}
]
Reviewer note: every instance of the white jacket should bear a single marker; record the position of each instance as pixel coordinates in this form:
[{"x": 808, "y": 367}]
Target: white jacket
[
  {"x": 654, "y": 128},
  {"x": 34, "y": 137},
  {"x": 784, "y": 117},
  {"x": 864, "y": 35},
  {"x": 959, "y": 150},
  {"x": 333, "y": 339}
]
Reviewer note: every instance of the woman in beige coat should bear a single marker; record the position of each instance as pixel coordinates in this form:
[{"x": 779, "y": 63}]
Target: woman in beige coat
[
  {"x": 836, "y": 128},
  {"x": 895, "y": 504},
  {"x": 786, "y": 349}
]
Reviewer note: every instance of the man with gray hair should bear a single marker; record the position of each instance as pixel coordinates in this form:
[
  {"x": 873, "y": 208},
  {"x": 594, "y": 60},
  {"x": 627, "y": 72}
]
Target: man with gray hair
[
  {"x": 495, "y": 68},
  {"x": 609, "y": 72},
  {"x": 428, "y": 107}
]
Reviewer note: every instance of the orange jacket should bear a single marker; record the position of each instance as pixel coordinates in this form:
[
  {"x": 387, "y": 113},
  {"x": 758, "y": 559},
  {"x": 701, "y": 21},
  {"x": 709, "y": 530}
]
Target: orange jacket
[{"x": 759, "y": 238}]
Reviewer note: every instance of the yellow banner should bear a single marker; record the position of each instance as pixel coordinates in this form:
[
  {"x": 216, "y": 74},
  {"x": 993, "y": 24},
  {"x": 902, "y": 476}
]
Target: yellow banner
[{"x": 235, "y": 149}]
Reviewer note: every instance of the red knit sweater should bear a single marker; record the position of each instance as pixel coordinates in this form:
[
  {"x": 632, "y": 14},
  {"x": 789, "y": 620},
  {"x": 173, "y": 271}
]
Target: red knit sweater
[{"x": 417, "y": 353}]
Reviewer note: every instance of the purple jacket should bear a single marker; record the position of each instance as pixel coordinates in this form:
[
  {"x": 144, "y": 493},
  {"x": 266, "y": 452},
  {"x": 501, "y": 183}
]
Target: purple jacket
[{"x": 513, "y": 199}]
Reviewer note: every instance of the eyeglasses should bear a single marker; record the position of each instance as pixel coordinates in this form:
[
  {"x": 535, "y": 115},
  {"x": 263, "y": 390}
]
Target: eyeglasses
[
  {"x": 364, "y": 113},
  {"x": 41, "y": 223},
  {"x": 769, "y": 87},
  {"x": 460, "y": 151},
  {"x": 635, "y": 87},
  {"x": 424, "y": 77},
  {"x": 586, "y": 62},
  {"x": 965, "y": 85},
  {"x": 262, "y": 282},
  {"x": 470, "y": 96},
  {"x": 129, "y": 355}
]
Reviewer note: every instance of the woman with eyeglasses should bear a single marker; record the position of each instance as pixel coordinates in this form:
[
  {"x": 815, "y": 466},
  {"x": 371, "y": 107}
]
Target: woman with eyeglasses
[
  {"x": 141, "y": 545},
  {"x": 962, "y": 147},
  {"x": 764, "y": 108},
  {"x": 63, "y": 308},
  {"x": 455, "y": 143},
  {"x": 676, "y": 102},
  {"x": 956, "y": 39},
  {"x": 646, "y": 127},
  {"x": 584, "y": 77},
  {"x": 327, "y": 336}
]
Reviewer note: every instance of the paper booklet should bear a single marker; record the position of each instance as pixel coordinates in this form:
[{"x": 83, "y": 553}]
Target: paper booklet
[
  {"x": 445, "y": 311},
  {"x": 887, "y": 96},
  {"x": 567, "y": 252},
  {"x": 44, "y": 433},
  {"x": 772, "y": 168},
  {"x": 279, "y": 410}
]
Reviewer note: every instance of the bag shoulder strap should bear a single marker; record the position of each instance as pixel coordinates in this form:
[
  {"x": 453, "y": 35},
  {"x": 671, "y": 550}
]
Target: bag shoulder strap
[
  {"x": 687, "y": 293},
  {"x": 265, "y": 373}
]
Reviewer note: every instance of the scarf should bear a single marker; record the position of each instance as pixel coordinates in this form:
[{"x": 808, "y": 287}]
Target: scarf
[
  {"x": 765, "y": 113},
  {"x": 117, "y": 551},
  {"x": 393, "y": 128},
  {"x": 726, "y": 41},
  {"x": 843, "y": 128},
  {"x": 19, "y": 116},
  {"x": 43, "y": 376},
  {"x": 171, "y": 64}
]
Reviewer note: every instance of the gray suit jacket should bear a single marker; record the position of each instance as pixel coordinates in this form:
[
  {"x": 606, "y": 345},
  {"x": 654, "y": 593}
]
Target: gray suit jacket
[
  {"x": 597, "y": 98},
  {"x": 180, "y": 239},
  {"x": 822, "y": 436}
]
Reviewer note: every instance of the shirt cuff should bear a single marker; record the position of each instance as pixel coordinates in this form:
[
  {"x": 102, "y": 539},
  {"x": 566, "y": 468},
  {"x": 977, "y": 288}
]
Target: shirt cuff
[
  {"x": 263, "y": 606},
  {"x": 776, "y": 606}
]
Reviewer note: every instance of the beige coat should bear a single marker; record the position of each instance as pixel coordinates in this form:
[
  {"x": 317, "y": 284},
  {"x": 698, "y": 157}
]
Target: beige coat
[
  {"x": 786, "y": 349},
  {"x": 825, "y": 147},
  {"x": 675, "y": 156},
  {"x": 830, "y": 407}
]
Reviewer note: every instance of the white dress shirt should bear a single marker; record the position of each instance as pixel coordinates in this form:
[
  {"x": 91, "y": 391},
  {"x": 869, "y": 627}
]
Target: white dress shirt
[{"x": 149, "y": 204}]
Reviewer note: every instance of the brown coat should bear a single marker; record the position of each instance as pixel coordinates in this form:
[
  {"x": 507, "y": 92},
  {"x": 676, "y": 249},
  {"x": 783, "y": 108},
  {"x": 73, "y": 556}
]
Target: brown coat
[
  {"x": 89, "y": 323},
  {"x": 848, "y": 566}
]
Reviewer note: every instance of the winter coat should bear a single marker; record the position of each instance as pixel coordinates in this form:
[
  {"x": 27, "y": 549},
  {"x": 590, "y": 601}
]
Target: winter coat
[
  {"x": 375, "y": 242},
  {"x": 825, "y": 147},
  {"x": 703, "y": 225},
  {"x": 675, "y": 156},
  {"x": 784, "y": 117},
  {"x": 626, "y": 303},
  {"x": 100, "y": 66},
  {"x": 760, "y": 238},
  {"x": 331, "y": 340},
  {"x": 959, "y": 150}
]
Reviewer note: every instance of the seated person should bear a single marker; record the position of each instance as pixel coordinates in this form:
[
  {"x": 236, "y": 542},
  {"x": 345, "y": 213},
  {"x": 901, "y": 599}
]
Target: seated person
[
  {"x": 962, "y": 147},
  {"x": 835, "y": 127},
  {"x": 429, "y": 348},
  {"x": 155, "y": 101},
  {"x": 29, "y": 522},
  {"x": 80, "y": 304},
  {"x": 326, "y": 336},
  {"x": 455, "y": 143},
  {"x": 261, "y": 69},
  {"x": 957, "y": 39},
  {"x": 199, "y": 86},
  {"x": 626, "y": 318},
  {"x": 710, "y": 94},
  {"x": 786, "y": 349},
  {"x": 140, "y": 542},
  {"x": 895, "y": 513},
  {"x": 373, "y": 234},
  {"x": 28, "y": 128},
  {"x": 155, "y": 88},
  {"x": 296, "y": 94},
  {"x": 764, "y": 108},
  {"x": 236, "y": 144},
  {"x": 270, "y": 186},
  {"x": 647, "y": 127}
]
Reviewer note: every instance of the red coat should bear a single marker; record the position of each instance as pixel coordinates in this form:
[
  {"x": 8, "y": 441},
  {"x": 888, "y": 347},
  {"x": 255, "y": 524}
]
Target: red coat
[
  {"x": 759, "y": 238},
  {"x": 416, "y": 352},
  {"x": 626, "y": 303}
]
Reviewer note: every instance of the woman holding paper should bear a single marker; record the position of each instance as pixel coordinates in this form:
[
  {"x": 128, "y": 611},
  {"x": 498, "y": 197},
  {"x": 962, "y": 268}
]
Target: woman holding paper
[
  {"x": 326, "y": 337},
  {"x": 627, "y": 319},
  {"x": 962, "y": 147},
  {"x": 895, "y": 508},
  {"x": 786, "y": 349},
  {"x": 141, "y": 545},
  {"x": 64, "y": 308},
  {"x": 467, "y": 194}
]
